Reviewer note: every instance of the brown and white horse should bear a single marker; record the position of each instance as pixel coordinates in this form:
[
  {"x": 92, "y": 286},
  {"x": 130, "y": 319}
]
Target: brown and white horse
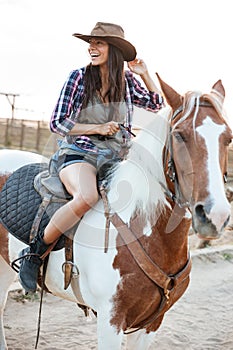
[{"x": 174, "y": 176}]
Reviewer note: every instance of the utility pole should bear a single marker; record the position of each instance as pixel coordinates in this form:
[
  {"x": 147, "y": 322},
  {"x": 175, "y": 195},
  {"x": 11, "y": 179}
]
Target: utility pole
[{"x": 12, "y": 103}]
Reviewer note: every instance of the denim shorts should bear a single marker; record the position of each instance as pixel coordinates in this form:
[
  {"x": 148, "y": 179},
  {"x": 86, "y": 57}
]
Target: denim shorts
[{"x": 103, "y": 160}]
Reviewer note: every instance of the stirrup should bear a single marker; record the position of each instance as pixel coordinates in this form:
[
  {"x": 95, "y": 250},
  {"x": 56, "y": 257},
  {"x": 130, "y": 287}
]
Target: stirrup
[{"x": 15, "y": 266}]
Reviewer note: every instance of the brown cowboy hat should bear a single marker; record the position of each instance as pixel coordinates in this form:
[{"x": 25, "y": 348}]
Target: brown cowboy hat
[{"x": 114, "y": 35}]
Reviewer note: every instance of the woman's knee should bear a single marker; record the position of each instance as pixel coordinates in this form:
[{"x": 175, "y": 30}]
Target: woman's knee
[
  {"x": 79, "y": 180},
  {"x": 85, "y": 200}
]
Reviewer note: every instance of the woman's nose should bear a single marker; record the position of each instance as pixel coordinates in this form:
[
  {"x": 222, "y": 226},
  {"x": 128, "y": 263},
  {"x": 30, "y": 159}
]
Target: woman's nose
[{"x": 92, "y": 45}]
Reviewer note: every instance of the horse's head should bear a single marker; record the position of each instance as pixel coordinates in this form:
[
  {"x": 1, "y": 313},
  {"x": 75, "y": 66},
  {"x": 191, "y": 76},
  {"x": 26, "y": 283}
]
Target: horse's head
[{"x": 197, "y": 156}]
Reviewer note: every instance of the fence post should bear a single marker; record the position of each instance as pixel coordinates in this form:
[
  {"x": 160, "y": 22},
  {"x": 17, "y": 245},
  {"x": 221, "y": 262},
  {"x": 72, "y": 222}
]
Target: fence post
[
  {"x": 21, "y": 134},
  {"x": 38, "y": 136},
  {"x": 7, "y": 132}
]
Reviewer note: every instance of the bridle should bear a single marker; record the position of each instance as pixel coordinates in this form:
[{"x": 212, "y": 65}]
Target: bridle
[{"x": 171, "y": 173}]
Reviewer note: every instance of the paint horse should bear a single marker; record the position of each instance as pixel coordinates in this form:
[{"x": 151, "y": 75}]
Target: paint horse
[{"x": 173, "y": 177}]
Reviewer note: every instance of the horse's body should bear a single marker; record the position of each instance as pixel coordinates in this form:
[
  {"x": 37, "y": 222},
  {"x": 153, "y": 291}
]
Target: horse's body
[
  {"x": 112, "y": 283},
  {"x": 14, "y": 159}
]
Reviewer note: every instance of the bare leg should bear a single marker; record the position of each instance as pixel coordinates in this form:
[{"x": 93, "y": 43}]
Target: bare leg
[{"x": 80, "y": 181}]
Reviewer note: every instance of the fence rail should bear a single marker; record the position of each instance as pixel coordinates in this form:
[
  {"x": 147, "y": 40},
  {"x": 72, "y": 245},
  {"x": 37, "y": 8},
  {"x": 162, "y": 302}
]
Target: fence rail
[
  {"x": 35, "y": 136},
  {"x": 30, "y": 135}
]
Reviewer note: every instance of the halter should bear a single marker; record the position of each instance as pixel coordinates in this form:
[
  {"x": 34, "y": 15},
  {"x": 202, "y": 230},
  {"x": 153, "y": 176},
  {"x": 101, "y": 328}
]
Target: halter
[{"x": 176, "y": 197}]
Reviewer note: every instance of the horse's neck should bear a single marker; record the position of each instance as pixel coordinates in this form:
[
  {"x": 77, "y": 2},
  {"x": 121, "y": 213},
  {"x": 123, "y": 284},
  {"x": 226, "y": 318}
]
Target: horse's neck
[{"x": 136, "y": 183}]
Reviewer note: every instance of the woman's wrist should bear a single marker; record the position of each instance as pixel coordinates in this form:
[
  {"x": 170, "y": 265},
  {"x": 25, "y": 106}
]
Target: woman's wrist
[
  {"x": 145, "y": 75},
  {"x": 85, "y": 129}
]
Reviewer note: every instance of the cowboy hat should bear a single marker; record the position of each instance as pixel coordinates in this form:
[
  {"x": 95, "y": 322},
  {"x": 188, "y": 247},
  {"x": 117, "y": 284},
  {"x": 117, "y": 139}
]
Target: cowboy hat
[{"x": 114, "y": 35}]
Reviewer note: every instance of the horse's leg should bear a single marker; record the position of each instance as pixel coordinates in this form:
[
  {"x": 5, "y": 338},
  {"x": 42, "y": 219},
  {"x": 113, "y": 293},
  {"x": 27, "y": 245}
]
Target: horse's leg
[
  {"x": 7, "y": 276},
  {"x": 108, "y": 338},
  {"x": 140, "y": 340}
]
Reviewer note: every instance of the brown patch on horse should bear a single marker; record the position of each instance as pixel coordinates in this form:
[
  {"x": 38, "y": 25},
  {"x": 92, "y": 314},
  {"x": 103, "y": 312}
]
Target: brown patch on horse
[
  {"x": 4, "y": 244},
  {"x": 3, "y": 232},
  {"x": 130, "y": 308},
  {"x": 3, "y": 178}
]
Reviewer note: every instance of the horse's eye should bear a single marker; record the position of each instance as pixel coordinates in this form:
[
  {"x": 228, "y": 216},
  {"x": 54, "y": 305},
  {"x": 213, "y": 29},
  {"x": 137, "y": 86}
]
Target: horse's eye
[
  {"x": 179, "y": 137},
  {"x": 228, "y": 141}
]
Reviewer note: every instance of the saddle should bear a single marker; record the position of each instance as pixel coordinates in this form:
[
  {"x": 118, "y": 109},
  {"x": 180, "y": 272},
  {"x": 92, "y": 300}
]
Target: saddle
[
  {"x": 48, "y": 184},
  {"x": 28, "y": 199}
]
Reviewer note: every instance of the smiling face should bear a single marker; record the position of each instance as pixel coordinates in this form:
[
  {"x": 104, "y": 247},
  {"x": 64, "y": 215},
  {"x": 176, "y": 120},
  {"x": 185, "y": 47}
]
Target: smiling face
[{"x": 98, "y": 50}]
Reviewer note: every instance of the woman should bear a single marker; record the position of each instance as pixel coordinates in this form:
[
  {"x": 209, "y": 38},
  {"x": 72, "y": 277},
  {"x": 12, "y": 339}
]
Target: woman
[{"x": 93, "y": 113}]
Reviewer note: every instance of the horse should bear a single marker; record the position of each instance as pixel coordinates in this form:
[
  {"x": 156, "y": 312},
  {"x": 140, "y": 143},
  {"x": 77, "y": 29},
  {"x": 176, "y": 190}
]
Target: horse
[{"x": 172, "y": 179}]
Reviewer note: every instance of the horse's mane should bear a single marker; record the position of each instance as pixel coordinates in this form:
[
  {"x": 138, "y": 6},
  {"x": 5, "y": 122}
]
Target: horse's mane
[
  {"x": 135, "y": 183},
  {"x": 192, "y": 100}
]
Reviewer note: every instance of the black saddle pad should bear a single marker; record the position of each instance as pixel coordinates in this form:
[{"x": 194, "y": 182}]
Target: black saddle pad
[{"x": 19, "y": 203}]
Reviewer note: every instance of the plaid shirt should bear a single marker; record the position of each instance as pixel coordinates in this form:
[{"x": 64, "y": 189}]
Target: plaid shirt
[{"x": 69, "y": 104}]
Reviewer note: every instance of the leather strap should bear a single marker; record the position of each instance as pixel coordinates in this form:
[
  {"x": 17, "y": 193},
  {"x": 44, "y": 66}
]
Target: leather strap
[
  {"x": 69, "y": 238},
  {"x": 107, "y": 214},
  {"x": 36, "y": 223},
  {"x": 152, "y": 270},
  {"x": 69, "y": 257},
  {"x": 140, "y": 256}
]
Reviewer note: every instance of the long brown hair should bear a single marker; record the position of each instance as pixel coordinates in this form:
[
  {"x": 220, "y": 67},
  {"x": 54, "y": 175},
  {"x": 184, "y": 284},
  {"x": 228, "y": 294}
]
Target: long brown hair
[{"x": 92, "y": 80}]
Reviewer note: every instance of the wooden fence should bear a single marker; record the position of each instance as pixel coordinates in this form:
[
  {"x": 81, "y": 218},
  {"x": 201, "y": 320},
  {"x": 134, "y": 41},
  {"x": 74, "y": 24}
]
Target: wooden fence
[
  {"x": 30, "y": 135},
  {"x": 35, "y": 136}
]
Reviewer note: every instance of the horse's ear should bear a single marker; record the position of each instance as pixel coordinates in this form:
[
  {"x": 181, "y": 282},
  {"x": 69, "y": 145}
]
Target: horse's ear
[
  {"x": 173, "y": 98},
  {"x": 219, "y": 88}
]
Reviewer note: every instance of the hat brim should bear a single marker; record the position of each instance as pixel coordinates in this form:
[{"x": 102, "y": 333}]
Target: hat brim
[{"x": 128, "y": 50}]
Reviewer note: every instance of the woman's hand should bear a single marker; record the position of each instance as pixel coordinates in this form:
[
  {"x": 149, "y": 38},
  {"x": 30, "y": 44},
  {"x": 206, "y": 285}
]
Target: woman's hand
[
  {"x": 137, "y": 66},
  {"x": 108, "y": 129}
]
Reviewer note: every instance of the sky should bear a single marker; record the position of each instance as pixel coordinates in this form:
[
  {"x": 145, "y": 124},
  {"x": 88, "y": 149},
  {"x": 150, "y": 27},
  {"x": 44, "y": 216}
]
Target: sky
[{"x": 189, "y": 43}]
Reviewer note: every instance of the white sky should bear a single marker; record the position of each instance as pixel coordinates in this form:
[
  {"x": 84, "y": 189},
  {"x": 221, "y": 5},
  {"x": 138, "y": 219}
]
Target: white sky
[{"x": 188, "y": 42}]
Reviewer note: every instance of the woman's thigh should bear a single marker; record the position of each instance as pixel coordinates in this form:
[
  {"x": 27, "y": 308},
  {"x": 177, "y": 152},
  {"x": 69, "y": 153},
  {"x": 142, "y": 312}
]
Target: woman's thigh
[{"x": 80, "y": 180}]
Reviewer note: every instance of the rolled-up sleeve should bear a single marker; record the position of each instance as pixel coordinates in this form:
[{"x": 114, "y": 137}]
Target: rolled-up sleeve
[
  {"x": 143, "y": 98},
  {"x": 62, "y": 119}
]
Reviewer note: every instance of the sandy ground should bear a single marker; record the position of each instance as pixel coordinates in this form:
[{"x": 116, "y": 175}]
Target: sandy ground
[{"x": 201, "y": 320}]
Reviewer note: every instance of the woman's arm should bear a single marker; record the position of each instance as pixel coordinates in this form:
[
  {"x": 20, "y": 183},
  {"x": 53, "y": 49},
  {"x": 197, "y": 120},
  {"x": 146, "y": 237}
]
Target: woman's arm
[
  {"x": 61, "y": 121},
  {"x": 139, "y": 67},
  {"x": 109, "y": 128}
]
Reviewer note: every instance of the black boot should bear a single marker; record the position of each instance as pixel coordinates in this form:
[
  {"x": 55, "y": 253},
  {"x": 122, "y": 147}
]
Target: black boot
[{"x": 30, "y": 265}]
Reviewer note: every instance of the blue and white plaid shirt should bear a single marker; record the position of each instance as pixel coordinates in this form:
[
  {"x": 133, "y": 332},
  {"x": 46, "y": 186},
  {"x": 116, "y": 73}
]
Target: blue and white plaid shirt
[{"x": 69, "y": 104}]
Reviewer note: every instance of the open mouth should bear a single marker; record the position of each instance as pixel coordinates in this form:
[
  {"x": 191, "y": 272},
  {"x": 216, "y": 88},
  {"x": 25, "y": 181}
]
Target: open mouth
[{"x": 94, "y": 55}]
